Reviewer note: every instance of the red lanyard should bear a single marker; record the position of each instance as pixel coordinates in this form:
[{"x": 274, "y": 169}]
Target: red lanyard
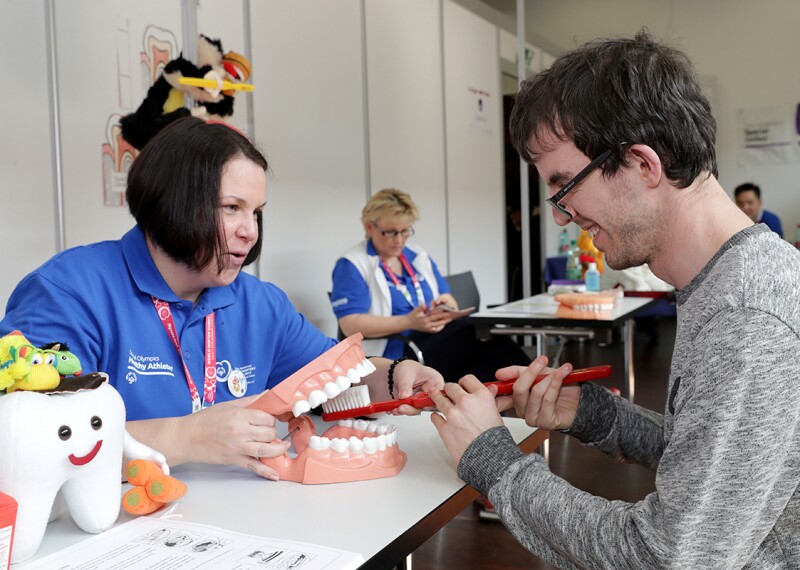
[
  {"x": 402, "y": 288},
  {"x": 210, "y": 368}
]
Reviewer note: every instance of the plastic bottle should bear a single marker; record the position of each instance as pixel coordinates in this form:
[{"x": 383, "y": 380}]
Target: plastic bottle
[
  {"x": 574, "y": 262},
  {"x": 592, "y": 278},
  {"x": 563, "y": 243}
]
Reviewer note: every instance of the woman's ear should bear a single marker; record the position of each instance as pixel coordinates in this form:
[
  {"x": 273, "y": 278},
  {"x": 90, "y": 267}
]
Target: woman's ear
[{"x": 646, "y": 163}]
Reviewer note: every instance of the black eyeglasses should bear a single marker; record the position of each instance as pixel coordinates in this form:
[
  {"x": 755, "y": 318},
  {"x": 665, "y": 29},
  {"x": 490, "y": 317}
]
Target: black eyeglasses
[
  {"x": 406, "y": 233},
  {"x": 569, "y": 186}
]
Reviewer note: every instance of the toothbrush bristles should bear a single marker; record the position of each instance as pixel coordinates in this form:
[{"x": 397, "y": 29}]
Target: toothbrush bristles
[{"x": 355, "y": 397}]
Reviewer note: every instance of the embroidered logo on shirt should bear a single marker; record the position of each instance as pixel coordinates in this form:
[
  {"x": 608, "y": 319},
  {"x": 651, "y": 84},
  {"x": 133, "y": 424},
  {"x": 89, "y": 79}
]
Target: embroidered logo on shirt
[{"x": 146, "y": 366}]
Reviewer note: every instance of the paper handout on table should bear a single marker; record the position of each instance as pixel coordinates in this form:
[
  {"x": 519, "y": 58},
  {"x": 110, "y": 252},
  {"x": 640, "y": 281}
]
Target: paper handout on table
[{"x": 148, "y": 542}]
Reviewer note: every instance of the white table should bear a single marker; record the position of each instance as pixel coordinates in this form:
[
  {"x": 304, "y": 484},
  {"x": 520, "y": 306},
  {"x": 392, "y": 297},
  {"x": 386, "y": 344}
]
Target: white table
[
  {"x": 384, "y": 519},
  {"x": 536, "y": 315}
]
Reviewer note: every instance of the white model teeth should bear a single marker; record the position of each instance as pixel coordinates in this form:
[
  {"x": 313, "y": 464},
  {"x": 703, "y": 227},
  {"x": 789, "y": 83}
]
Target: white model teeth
[
  {"x": 387, "y": 437},
  {"x": 594, "y": 307},
  {"x": 333, "y": 389},
  {"x": 316, "y": 397},
  {"x": 370, "y": 445},
  {"x": 356, "y": 445},
  {"x": 300, "y": 407}
]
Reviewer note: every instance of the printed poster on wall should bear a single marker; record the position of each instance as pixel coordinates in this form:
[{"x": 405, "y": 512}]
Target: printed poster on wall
[
  {"x": 770, "y": 135},
  {"x": 480, "y": 121}
]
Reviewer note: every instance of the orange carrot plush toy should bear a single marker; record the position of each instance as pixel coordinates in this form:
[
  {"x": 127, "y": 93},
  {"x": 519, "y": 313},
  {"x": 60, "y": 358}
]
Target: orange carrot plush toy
[{"x": 152, "y": 488}]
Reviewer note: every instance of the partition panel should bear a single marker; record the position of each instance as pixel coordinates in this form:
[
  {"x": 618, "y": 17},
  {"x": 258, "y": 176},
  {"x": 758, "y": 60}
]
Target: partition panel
[
  {"x": 406, "y": 115},
  {"x": 309, "y": 120},
  {"x": 474, "y": 135}
]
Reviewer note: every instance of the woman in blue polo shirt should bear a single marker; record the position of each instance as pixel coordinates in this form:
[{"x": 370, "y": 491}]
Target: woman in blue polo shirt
[
  {"x": 385, "y": 285},
  {"x": 187, "y": 338}
]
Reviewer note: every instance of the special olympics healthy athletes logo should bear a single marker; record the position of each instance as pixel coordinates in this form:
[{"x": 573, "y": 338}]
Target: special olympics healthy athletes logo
[
  {"x": 130, "y": 377},
  {"x": 223, "y": 369}
]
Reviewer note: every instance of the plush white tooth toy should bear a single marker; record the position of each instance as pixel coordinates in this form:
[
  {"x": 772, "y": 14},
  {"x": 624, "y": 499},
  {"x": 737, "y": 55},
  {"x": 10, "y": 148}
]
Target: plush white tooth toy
[{"x": 72, "y": 440}]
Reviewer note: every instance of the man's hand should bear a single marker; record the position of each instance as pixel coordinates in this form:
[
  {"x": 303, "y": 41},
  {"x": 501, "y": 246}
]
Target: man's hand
[
  {"x": 547, "y": 404},
  {"x": 467, "y": 409}
]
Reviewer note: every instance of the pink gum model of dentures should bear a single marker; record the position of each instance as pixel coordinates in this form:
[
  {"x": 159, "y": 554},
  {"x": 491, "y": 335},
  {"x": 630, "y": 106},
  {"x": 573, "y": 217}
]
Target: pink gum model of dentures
[
  {"x": 585, "y": 305},
  {"x": 349, "y": 451}
]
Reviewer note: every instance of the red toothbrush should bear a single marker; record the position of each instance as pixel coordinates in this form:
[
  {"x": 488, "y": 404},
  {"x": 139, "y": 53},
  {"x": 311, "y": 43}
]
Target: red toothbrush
[{"x": 423, "y": 399}]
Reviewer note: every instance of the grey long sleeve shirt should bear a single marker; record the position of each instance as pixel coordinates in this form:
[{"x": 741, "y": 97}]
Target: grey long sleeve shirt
[{"x": 726, "y": 450}]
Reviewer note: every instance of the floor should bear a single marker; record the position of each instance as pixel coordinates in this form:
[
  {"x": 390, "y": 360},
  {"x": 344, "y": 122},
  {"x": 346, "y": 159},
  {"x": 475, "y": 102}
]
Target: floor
[{"x": 470, "y": 541}]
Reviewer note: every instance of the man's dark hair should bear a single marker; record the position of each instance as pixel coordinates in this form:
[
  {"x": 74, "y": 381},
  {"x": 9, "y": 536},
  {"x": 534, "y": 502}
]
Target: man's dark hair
[
  {"x": 609, "y": 92},
  {"x": 747, "y": 187},
  {"x": 174, "y": 184}
]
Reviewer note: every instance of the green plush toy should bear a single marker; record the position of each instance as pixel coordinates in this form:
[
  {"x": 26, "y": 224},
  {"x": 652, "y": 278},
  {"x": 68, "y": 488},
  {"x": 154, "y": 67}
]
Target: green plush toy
[
  {"x": 25, "y": 367},
  {"x": 66, "y": 363}
]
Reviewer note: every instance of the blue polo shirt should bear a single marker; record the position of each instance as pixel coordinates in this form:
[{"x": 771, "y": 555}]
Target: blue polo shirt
[
  {"x": 348, "y": 284},
  {"x": 97, "y": 299}
]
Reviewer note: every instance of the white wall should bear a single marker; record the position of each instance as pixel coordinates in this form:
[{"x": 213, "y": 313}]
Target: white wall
[
  {"x": 89, "y": 106},
  {"x": 27, "y": 220},
  {"x": 309, "y": 121},
  {"x": 406, "y": 112},
  {"x": 475, "y": 177}
]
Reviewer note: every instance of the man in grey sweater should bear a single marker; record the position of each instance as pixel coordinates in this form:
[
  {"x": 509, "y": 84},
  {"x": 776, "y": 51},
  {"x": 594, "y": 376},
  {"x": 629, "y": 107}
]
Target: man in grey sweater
[{"x": 624, "y": 138}]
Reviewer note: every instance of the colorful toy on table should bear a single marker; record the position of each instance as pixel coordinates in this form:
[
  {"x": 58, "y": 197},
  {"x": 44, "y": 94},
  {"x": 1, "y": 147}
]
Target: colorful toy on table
[
  {"x": 66, "y": 363},
  {"x": 348, "y": 451},
  {"x": 219, "y": 74},
  {"x": 61, "y": 436},
  {"x": 587, "y": 306},
  {"x": 25, "y": 367},
  {"x": 152, "y": 488}
]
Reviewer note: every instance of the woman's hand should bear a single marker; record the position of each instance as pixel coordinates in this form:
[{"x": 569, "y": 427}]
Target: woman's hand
[
  {"x": 420, "y": 319},
  {"x": 411, "y": 377},
  {"x": 228, "y": 433},
  {"x": 445, "y": 299}
]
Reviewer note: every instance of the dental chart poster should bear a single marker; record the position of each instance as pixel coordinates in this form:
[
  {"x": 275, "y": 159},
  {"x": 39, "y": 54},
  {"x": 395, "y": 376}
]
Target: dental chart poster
[{"x": 150, "y": 543}]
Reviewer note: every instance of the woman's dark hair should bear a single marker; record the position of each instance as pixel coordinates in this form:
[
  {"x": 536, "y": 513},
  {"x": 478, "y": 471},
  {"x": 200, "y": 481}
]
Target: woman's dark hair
[
  {"x": 610, "y": 92},
  {"x": 174, "y": 184}
]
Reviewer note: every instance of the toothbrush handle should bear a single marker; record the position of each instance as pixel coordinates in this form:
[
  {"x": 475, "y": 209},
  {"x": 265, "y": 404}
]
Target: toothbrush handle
[{"x": 504, "y": 387}]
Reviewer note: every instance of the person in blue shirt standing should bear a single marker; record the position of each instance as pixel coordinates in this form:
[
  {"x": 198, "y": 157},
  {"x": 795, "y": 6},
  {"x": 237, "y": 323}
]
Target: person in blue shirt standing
[
  {"x": 748, "y": 198},
  {"x": 385, "y": 285},
  {"x": 186, "y": 337}
]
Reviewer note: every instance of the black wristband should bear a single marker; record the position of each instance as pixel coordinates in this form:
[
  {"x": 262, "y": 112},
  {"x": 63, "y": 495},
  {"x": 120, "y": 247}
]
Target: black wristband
[{"x": 391, "y": 374}]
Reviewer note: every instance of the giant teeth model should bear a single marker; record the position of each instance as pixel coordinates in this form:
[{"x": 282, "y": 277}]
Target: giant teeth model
[{"x": 349, "y": 451}]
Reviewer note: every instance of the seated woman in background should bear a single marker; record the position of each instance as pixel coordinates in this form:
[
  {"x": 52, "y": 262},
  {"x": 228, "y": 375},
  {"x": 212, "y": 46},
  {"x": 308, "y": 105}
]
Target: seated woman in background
[{"x": 384, "y": 286}]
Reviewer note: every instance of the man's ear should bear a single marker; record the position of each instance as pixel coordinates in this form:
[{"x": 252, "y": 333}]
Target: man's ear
[{"x": 646, "y": 163}]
